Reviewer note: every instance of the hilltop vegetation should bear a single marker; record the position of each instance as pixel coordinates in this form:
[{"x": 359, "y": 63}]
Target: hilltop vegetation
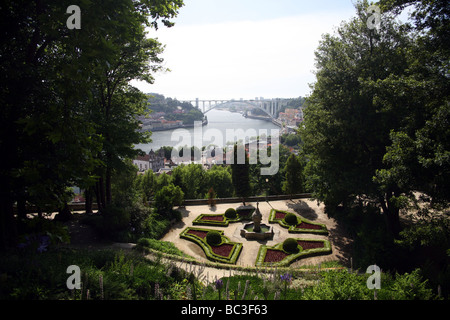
[{"x": 174, "y": 109}]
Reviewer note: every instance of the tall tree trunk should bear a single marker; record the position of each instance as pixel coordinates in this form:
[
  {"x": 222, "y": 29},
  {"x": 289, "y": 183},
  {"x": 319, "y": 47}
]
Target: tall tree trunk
[
  {"x": 88, "y": 194},
  {"x": 100, "y": 194},
  {"x": 108, "y": 195},
  {"x": 391, "y": 213}
]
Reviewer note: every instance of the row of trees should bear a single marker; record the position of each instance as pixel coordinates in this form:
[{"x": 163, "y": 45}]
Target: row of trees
[
  {"x": 68, "y": 110},
  {"x": 240, "y": 180},
  {"x": 376, "y": 125},
  {"x": 376, "y": 133}
]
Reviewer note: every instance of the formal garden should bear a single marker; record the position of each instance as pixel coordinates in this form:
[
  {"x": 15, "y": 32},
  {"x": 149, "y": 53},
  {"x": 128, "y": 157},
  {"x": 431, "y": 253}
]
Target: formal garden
[{"x": 282, "y": 251}]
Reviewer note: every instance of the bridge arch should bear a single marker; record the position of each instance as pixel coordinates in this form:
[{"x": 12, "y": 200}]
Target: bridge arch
[{"x": 252, "y": 104}]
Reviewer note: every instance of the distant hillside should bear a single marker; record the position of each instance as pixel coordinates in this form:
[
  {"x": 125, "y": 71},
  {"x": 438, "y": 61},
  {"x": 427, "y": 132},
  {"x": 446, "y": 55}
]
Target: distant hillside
[{"x": 174, "y": 109}]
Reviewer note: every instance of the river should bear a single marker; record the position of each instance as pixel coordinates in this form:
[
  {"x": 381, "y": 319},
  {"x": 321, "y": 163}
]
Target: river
[{"x": 222, "y": 125}]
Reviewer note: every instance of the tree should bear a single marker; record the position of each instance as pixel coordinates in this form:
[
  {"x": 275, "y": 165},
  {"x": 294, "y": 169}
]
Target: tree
[
  {"x": 68, "y": 110},
  {"x": 148, "y": 181},
  {"x": 294, "y": 176},
  {"x": 168, "y": 197},
  {"x": 419, "y": 157},
  {"x": 240, "y": 172},
  {"x": 219, "y": 179},
  {"x": 346, "y": 131}
]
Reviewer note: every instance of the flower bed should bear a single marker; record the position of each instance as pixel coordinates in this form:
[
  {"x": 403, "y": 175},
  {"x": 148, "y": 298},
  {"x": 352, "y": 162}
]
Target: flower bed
[
  {"x": 225, "y": 252},
  {"x": 302, "y": 226},
  {"x": 219, "y": 220},
  {"x": 276, "y": 256}
]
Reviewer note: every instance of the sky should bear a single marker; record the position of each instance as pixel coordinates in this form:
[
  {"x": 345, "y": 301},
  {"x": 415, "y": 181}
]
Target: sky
[{"x": 232, "y": 49}]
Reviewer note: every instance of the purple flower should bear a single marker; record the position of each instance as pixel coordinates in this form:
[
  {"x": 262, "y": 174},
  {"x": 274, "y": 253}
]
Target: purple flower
[
  {"x": 219, "y": 284},
  {"x": 44, "y": 241},
  {"x": 286, "y": 277}
]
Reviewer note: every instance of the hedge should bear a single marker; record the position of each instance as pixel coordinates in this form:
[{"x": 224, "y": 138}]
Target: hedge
[
  {"x": 199, "y": 221},
  {"x": 293, "y": 228},
  {"x": 230, "y": 259},
  {"x": 291, "y": 257}
]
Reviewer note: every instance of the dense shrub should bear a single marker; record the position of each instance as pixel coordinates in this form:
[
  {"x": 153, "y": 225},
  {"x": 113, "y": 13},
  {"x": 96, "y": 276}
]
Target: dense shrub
[
  {"x": 156, "y": 226},
  {"x": 115, "y": 219},
  {"x": 291, "y": 219},
  {"x": 290, "y": 245},
  {"x": 231, "y": 213},
  {"x": 213, "y": 238},
  {"x": 125, "y": 276}
]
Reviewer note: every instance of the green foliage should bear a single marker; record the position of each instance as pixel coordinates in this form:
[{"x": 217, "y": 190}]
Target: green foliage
[
  {"x": 213, "y": 238},
  {"x": 168, "y": 197},
  {"x": 230, "y": 213},
  {"x": 70, "y": 113},
  {"x": 192, "y": 179},
  {"x": 158, "y": 103},
  {"x": 240, "y": 172},
  {"x": 339, "y": 285},
  {"x": 291, "y": 140},
  {"x": 219, "y": 178},
  {"x": 125, "y": 276},
  {"x": 291, "y": 219},
  {"x": 410, "y": 287},
  {"x": 156, "y": 226},
  {"x": 294, "y": 176},
  {"x": 115, "y": 219},
  {"x": 293, "y": 255},
  {"x": 161, "y": 246},
  {"x": 233, "y": 255},
  {"x": 344, "y": 117},
  {"x": 318, "y": 228},
  {"x": 290, "y": 245}
]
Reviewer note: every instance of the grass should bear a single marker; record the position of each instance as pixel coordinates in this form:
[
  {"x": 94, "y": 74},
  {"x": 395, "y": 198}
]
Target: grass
[{"x": 161, "y": 246}]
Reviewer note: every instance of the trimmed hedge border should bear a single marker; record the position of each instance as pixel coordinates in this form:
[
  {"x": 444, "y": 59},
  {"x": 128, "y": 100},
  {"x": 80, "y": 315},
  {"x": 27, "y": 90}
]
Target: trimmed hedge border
[
  {"x": 293, "y": 229},
  {"x": 224, "y": 223},
  {"x": 222, "y": 266},
  {"x": 291, "y": 257},
  {"x": 230, "y": 259}
]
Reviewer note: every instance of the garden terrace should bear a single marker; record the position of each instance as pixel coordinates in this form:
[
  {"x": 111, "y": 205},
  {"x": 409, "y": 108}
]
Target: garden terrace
[
  {"x": 277, "y": 256},
  {"x": 225, "y": 252},
  {"x": 301, "y": 226}
]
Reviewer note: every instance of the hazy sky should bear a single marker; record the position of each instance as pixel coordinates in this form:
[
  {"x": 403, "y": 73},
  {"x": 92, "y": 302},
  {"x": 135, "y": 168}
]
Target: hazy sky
[{"x": 225, "y": 49}]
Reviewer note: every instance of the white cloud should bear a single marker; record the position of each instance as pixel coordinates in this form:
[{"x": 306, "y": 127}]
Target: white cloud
[{"x": 245, "y": 59}]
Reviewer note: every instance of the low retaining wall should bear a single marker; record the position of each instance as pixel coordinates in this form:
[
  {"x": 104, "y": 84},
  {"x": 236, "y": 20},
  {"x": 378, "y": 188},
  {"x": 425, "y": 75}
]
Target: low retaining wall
[{"x": 198, "y": 202}]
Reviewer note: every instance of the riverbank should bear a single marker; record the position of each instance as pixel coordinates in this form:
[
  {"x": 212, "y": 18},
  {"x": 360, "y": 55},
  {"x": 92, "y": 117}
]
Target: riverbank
[
  {"x": 214, "y": 132},
  {"x": 173, "y": 127}
]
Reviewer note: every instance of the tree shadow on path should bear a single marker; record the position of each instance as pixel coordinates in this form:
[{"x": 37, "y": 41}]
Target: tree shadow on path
[{"x": 303, "y": 209}]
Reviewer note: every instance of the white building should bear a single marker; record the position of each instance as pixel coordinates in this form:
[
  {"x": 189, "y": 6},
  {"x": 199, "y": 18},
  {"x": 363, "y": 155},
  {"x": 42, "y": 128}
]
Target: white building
[{"x": 142, "y": 162}]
